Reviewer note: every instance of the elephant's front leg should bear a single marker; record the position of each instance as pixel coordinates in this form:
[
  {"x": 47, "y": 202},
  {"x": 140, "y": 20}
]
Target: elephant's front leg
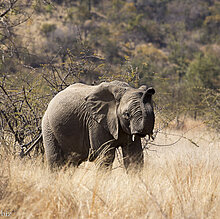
[
  {"x": 106, "y": 157},
  {"x": 133, "y": 155},
  {"x": 102, "y": 146}
]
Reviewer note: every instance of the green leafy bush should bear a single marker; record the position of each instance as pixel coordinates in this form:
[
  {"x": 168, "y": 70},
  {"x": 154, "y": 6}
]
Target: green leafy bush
[{"x": 47, "y": 29}]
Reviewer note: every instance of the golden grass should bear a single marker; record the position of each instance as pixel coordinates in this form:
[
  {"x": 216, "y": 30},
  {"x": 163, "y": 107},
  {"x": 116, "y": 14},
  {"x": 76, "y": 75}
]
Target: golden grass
[{"x": 180, "y": 181}]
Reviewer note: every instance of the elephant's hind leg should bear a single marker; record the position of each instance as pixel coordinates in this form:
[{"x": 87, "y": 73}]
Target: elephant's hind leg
[{"x": 54, "y": 154}]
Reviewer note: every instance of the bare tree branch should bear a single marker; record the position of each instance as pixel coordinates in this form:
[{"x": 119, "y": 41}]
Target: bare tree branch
[{"x": 12, "y": 3}]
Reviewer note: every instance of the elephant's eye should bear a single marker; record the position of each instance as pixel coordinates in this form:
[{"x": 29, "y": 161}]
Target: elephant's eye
[{"x": 126, "y": 115}]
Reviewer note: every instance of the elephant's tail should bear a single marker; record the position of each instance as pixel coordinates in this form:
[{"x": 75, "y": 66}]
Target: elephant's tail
[{"x": 24, "y": 153}]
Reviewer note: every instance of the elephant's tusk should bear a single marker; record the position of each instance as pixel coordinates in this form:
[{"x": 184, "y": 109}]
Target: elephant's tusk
[
  {"x": 133, "y": 137},
  {"x": 151, "y": 137}
]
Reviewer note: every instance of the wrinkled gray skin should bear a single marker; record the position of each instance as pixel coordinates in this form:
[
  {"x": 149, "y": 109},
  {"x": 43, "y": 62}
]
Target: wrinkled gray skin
[{"x": 82, "y": 122}]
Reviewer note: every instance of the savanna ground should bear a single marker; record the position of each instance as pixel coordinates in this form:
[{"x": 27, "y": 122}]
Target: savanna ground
[{"x": 178, "y": 181}]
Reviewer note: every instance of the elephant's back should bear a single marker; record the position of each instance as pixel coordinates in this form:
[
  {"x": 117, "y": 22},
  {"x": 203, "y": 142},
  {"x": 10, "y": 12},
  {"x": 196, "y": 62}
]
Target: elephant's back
[
  {"x": 74, "y": 94},
  {"x": 79, "y": 89}
]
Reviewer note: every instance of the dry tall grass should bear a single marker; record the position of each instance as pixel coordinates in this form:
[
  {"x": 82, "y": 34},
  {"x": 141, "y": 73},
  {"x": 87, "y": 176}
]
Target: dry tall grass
[{"x": 180, "y": 181}]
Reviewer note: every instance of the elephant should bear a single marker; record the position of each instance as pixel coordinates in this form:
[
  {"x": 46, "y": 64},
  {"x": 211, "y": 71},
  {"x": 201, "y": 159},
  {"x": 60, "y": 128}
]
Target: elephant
[{"x": 83, "y": 122}]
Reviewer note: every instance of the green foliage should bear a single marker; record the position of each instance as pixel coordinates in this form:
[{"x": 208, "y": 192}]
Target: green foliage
[
  {"x": 47, "y": 29},
  {"x": 211, "y": 28},
  {"x": 49, "y": 9},
  {"x": 81, "y": 13},
  {"x": 204, "y": 70}
]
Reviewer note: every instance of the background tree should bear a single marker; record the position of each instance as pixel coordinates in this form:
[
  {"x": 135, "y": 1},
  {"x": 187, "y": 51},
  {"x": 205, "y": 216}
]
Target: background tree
[{"x": 47, "y": 45}]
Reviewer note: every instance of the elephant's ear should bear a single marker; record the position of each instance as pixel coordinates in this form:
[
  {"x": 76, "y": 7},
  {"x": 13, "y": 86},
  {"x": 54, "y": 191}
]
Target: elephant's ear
[
  {"x": 147, "y": 96},
  {"x": 102, "y": 104}
]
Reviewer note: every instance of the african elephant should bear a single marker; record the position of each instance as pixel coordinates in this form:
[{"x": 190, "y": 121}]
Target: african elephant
[{"x": 82, "y": 122}]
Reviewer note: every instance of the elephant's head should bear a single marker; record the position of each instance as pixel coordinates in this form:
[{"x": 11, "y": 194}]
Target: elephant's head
[
  {"x": 135, "y": 111},
  {"x": 116, "y": 103}
]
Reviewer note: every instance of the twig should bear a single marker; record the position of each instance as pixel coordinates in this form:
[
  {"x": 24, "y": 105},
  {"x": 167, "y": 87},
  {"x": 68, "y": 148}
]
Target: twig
[
  {"x": 11, "y": 127},
  {"x": 22, "y": 154},
  {"x": 12, "y": 3}
]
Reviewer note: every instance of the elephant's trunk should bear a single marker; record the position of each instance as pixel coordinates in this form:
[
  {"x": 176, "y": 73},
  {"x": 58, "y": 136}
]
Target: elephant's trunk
[
  {"x": 148, "y": 119},
  {"x": 144, "y": 125},
  {"x": 147, "y": 112}
]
